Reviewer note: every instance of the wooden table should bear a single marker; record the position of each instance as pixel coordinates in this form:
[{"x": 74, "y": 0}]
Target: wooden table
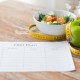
[{"x": 13, "y": 16}]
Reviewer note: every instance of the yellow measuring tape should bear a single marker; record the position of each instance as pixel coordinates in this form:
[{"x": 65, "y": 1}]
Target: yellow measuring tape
[
  {"x": 74, "y": 50},
  {"x": 34, "y": 32}
]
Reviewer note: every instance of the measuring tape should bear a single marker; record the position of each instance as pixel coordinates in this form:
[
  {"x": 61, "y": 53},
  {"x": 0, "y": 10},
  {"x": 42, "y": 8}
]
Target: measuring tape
[
  {"x": 34, "y": 32},
  {"x": 74, "y": 50}
]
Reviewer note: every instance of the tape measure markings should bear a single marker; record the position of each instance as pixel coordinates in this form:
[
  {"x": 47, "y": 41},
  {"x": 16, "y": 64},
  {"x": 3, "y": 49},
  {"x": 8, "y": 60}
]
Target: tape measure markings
[
  {"x": 33, "y": 32},
  {"x": 68, "y": 34}
]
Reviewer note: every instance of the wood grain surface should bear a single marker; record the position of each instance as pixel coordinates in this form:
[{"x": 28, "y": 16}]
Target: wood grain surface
[{"x": 15, "y": 17}]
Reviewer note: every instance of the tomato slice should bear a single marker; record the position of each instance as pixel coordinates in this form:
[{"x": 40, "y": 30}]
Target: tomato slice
[
  {"x": 54, "y": 18},
  {"x": 51, "y": 19}
]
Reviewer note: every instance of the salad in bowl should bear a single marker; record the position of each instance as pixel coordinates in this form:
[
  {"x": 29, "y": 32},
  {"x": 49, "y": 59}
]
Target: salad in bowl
[
  {"x": 53, "y": 22},
  {"x": 53, "y": 19}
]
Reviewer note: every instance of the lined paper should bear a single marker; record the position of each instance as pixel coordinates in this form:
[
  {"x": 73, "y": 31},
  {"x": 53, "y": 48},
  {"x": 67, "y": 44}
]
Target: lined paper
[{"x": 35, "y": 57}]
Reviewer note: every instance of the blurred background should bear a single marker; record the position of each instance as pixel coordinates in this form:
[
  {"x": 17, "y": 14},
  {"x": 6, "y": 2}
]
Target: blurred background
[
  {"x": 50, "y": 4},
  {"x": 70, "y": 5},
  {"x": 2, "y": 0}
]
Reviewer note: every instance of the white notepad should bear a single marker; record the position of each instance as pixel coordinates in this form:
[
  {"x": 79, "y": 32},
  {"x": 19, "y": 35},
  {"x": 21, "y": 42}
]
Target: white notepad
[{"x": 35, "y": 56}]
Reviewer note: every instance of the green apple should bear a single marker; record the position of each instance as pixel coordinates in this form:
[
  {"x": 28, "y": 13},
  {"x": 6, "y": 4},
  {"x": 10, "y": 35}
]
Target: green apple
[{"x": 75, "y": 32}]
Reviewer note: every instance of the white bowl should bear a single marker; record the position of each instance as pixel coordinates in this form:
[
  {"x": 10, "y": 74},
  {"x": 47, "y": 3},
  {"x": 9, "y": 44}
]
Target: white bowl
[{"x": 52, "y": 29}]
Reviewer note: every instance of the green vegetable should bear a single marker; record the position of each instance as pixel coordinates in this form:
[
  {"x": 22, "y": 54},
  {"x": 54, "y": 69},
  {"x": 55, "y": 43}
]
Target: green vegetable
[
  {"x": 67, "y": 18},
  {"x": 55, "y": 23},
  {"x": 41, "y": 17},
  {"x": 44, "y": 19}
]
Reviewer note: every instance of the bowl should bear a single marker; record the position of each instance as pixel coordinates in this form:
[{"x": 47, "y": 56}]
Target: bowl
[{"x": 52, "y": 29}]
